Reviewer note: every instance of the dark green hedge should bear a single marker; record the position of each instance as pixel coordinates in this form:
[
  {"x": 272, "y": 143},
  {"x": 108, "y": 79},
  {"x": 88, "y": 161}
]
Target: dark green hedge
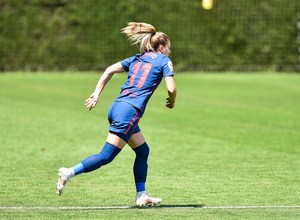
[{"x": 85, "y": 34}]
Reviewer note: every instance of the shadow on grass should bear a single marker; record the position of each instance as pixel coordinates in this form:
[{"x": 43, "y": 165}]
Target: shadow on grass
[
  {"x": 190, "y": 206},
  {"x": 170, "y": 206}
]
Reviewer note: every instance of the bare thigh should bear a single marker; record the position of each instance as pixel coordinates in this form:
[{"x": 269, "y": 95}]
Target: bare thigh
[
  {"x": 136, "y": 140},
  {"x": 115, "y": 140}
]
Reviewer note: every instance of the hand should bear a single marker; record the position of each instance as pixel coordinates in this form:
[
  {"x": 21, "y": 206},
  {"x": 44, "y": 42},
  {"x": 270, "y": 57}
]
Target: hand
[
  {"x": 91, "y": 102},
  {"x": 169, "y": 104}
]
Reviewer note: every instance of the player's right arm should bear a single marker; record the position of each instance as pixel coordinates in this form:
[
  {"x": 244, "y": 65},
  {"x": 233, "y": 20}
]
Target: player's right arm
[{"x": 92, "y": 101}]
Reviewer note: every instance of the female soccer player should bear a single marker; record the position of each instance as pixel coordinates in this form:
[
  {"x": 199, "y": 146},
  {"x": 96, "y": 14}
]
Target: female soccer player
[{"x": 145, "y": 72}]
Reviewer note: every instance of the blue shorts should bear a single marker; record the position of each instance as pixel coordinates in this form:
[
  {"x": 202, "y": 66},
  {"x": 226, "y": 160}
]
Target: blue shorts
[{"x": 123, "y": 119}]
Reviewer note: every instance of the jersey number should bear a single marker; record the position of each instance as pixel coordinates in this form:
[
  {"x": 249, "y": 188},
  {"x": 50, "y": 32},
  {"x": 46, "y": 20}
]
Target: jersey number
[{"x": 144, "y": 69}]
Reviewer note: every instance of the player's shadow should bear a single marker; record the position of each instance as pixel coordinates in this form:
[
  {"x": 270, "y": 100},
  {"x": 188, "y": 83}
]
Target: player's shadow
[
  {"x": 171, "y": 206},
  {"x": 191, "y": 206}
]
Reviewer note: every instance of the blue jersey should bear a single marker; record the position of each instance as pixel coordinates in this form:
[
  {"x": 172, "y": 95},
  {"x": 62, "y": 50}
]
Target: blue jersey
[{"x": 145, "y": 72}]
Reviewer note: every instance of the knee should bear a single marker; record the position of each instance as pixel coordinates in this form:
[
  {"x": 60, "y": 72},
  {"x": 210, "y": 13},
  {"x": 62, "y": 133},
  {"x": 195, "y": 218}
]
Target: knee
[
  {"x": 108, "y": 153},
  {"x": 142, "y": 151},
  {"x": 106, "y": 158}
]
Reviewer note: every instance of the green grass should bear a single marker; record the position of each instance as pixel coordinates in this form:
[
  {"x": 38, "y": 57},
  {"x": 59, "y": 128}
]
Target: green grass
[{"x": 232, "y": 140}]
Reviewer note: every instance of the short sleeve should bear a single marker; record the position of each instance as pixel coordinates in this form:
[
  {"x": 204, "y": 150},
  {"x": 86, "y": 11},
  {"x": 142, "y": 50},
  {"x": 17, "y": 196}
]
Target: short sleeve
[
  {"x": 167, "y": 67},
  {"x": 126, "y": 63}
]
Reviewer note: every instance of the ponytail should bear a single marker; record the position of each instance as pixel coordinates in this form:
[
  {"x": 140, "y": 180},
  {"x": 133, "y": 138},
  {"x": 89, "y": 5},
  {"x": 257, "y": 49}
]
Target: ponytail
[{"x": 145, "y": 35}]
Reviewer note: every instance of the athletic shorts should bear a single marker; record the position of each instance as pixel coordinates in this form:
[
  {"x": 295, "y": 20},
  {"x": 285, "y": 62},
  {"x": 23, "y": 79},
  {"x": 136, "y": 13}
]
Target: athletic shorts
[{"x": 123, "y": 119}]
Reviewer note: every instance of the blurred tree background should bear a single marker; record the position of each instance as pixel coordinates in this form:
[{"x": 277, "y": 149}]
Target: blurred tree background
[{"x": 77, "y": 35}]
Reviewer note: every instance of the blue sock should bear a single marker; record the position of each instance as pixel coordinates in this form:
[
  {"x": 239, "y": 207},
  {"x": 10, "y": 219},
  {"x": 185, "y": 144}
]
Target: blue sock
[
  {"x": 140, "y": 187},
  {"x": 107, "y": 154},
  {"x": 140, "y": 167}
]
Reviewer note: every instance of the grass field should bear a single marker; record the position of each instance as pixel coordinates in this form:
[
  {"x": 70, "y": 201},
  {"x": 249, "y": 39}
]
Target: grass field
[{"x": 229, "y": 150}]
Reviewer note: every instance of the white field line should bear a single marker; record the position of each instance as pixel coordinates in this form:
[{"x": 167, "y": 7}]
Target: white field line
[
  {"x": 254, "y": 207},
  {"x": 53, "y": 208}
]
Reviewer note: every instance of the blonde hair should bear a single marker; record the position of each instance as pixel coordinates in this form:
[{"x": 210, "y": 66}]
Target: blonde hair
[{"x": 146, "y": 36}]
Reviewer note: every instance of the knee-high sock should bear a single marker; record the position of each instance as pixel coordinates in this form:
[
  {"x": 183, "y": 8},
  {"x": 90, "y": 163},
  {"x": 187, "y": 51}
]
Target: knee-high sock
[
  {"x": 107, "y": 154},
  {"x": 140, "y": 167}
]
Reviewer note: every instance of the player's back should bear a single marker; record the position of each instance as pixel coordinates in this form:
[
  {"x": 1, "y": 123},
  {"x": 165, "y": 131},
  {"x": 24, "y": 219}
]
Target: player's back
[{"x": 145, "y": 72}]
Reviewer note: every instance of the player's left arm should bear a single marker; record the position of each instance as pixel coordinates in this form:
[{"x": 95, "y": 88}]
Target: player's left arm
[
  {"x": 92, "y": 101},
  {"x": 168, "y": 72},
  {"x": 172, "y": 91}
]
